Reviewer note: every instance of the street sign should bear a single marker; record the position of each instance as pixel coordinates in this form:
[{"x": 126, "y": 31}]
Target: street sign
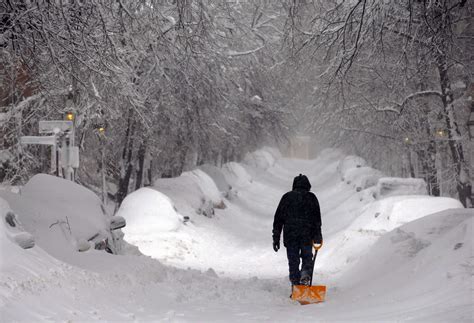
[
  {"x": 55, "y": 126},
  {"x": 62, "y": 142},
  {"x": 38, "y": 140}
]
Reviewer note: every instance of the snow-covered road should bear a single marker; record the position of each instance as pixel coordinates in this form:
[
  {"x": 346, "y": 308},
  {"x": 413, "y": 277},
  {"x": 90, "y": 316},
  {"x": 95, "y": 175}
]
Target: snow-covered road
[{"x": 224, "y": 268}]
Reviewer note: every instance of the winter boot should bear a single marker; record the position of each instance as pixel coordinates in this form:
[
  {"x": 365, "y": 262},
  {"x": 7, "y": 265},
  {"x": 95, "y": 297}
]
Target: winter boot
[
  {"x": 293, "y": 283},
  {"x": 305, "y": 280}
]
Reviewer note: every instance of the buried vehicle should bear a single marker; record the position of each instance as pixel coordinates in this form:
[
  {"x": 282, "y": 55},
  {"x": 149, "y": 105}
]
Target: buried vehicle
[{"x": 64, "y": 217}]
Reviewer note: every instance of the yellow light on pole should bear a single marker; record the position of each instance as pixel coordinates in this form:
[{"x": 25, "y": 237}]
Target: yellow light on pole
[
  {"x": 440, "y": 133},
  {"x": 101, "y": 130},
  {"x": 407, "y": 140},
  {"x": 70, "y": 116}
]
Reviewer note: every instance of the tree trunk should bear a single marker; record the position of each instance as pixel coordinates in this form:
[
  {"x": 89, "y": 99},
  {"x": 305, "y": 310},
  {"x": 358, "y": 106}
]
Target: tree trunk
[
  {"x": 141, "y": 165},
  {"x": 149, "y": 173},
  {"x": 428, "y": 164},
  {"x": 126, "y": 164},
  {"x": 454, "y": 135}
]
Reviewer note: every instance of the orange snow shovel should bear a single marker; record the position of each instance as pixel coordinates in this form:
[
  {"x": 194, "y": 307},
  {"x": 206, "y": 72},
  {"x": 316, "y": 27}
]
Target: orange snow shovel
[{"x": 309, "y": 294}]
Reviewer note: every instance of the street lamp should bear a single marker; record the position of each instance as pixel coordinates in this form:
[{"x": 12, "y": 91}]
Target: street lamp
[
  {"x": 440, "y": 133},
  {"x": 70, "y": 116},
  {"x": 100, "y": 128},
  {"x": 470, "y": 123}
]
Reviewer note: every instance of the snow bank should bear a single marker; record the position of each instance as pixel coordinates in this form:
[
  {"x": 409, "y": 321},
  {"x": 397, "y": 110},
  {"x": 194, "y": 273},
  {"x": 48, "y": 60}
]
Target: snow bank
[
  {"x": 419, "y": 264},
  {"x": 217, "y": 176},
  {"x": 183, "y": 191},
  {"x": 350, "y": 162},
  {"x": 374, "y": 220},
  {"x": 390, "y": 186},
  {"x": 186, "y": 193},
  {"x": 24, "y": 271},
  {"x": 421, "y": 270},
  {"x": 12, "y": 229},
  {"x": 60, "y": 214},
  {"x": 261, "y": 159},
  {"x": 362, "y": 177},
  {"x": 392, "y": 212},
  {"x": 236, "y": 175},
  {"x": 276, "y": 154},
  {"x": 206, "y": 184},
  {"x": 148, "y": 212}
]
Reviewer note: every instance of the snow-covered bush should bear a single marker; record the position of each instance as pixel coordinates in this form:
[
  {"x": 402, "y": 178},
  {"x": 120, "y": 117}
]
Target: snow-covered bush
[{"x": 390, "y": 186}]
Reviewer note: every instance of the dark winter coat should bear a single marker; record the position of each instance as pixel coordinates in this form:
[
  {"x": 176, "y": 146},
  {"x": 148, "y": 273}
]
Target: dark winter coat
[{"x": 299, "y": 216}]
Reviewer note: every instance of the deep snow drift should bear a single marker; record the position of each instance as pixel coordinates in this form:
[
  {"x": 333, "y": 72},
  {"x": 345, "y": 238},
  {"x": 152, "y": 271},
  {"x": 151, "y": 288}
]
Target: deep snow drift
[{"x": 386, "y": 256}]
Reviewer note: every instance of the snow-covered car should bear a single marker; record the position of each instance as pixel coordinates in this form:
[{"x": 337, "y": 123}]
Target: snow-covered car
[{"x": 64, "y": 217}]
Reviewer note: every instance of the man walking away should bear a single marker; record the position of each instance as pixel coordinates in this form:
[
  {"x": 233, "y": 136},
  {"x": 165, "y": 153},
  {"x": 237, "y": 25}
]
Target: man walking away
[{"x": 299, "y": 216}]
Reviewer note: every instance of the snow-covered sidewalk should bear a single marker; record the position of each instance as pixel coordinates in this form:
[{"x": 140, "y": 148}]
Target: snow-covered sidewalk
[{"x": 386, "y": 259}]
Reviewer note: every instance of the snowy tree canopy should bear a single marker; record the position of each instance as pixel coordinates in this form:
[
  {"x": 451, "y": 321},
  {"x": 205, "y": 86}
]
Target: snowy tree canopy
[{"x": 176, "y": 84}]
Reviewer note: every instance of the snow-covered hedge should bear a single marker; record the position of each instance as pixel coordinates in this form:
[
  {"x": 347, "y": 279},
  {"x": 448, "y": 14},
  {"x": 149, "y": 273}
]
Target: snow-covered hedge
[{"x": 391, "y": 186}]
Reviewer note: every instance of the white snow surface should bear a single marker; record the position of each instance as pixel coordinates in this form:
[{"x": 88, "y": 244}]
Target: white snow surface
[
  {"x": 236, "y": 175},
  {"x": 348, "y": 163},
  {"x": 261, "y": 159},
  {"x": 400, "y": 258},
  {"x": 390, "y": 186},
  {"x": 217, "y": 176},
  {"x": 206, "y": 184},
  {"x": 148, "y": 213},
  {"x": 362, "y": 177}
]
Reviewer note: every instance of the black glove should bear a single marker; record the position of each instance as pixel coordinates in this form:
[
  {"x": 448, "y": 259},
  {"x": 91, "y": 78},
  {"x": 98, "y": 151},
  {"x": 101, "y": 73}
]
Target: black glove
[{"x": 276, "y": 245}]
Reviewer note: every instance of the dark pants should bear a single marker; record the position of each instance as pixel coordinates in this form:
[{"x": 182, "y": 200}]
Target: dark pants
[{"x": 294, "y": 253}]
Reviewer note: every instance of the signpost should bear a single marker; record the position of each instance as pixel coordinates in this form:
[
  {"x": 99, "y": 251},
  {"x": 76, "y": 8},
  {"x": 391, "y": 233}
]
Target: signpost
[
  {"x": 62, "y": 138},
  {"x": 55, "y": 126},
  {"x": 38, "y": 140}
]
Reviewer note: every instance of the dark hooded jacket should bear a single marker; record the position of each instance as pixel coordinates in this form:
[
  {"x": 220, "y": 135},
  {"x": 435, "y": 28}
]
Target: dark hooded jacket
[{"x": 299, "y": 216}]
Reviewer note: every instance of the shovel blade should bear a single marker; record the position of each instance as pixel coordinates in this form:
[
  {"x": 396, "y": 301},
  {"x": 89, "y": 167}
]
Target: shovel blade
[{"x": 308, "y": 294}]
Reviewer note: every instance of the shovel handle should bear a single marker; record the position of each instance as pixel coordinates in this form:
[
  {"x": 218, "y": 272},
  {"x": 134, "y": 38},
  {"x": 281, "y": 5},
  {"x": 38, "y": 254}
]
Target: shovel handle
[{"x": 316, "y": 247}]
